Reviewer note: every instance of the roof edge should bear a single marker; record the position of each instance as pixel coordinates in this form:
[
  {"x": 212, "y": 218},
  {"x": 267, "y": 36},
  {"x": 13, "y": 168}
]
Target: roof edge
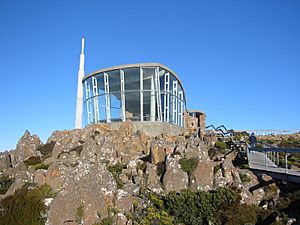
[{"x": 125, "y": 66}]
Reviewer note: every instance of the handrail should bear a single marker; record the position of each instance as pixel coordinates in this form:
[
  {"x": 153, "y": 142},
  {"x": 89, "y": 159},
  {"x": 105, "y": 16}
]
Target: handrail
[{"x": 231, "y": 131}]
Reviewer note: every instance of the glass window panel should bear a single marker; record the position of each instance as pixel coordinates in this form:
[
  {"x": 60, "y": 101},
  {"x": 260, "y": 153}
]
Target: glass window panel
[
  {"x": 148, "y": 74},
  {"x": 102, "y": 108},
  {"x": 146, "y": 105},
  {"x": 132, "y": 79},
  {"x": 115, "y": 104},
  {"x": 114, "y": 81},
  {"x": 100, "y": 80},
  {"x": 132, "y": 93},
  {"x": 162, "y": 78},
  {"x": 132, "y": 105}
]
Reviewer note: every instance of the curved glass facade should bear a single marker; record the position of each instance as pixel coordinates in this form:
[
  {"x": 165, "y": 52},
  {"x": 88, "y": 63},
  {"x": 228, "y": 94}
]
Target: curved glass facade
[{"x": 137, "y": 93}]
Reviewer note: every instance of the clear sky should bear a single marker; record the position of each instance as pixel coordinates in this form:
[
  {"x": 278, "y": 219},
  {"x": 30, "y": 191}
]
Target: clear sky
[{"x": 239, "y": 61}]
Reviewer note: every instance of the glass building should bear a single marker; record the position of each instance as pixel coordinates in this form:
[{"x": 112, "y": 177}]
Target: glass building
[{"x": 136, "y": 92}]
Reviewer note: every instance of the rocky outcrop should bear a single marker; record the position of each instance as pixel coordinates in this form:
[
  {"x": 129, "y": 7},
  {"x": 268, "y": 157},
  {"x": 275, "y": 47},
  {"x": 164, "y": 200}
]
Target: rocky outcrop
[
  {"x": 202, "y": 178},
  {"x": 227, "y": 175},
  {"x": 27, "y": 147},
  {"x": 153, "y": 180},
  {"x": 174, "y": 179},
  {"x": 97, "y": 170},
  {"x": 4, "y": 161},
  {"x": 88, "y": 184}
]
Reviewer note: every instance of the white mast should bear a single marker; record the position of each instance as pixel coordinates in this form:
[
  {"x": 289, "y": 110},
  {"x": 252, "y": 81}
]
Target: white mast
[{"x": 79, "y": 103}]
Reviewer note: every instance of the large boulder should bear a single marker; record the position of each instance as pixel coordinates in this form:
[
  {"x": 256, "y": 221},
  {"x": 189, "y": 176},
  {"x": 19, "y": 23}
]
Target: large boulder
[
  {"x": 157, "y": 151},
  {"x": 123, "y": 201},
  {"x": 65, "y": 141},
  {"x": 161, "y": 147},
  {"x": 120, "y": 219},
  {"x": 4, "y": 161},
  {"x": 174, "y": 179},
  {"x": 27, "y": 147},
  {"x": 227, "y": 175},
  {"x": 90, "y": 186},
  {"x": 20, "y": 179},
  {"x": 248, "y": 195},
  {"x": 53, "y": 176},
  {"x": 153, "y": 180},
  {"x": 202, "y": 178}
]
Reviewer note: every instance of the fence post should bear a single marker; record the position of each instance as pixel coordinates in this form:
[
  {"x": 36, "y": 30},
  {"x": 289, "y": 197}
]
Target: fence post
[
  {"x": 286, "y": 169},
  {"x": 266, "y": 163}
]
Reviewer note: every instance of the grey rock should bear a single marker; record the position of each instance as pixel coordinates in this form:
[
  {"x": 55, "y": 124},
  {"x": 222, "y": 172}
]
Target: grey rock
[{"x": 174, "y": 179}]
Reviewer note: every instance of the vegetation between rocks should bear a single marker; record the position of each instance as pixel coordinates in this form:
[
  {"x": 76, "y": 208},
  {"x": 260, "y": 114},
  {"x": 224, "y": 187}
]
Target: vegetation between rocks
[
  {"x": 193, "y": 208},
  {"x": 116, "y": 171},
  {"x": 188, "y": 165},
  {"x": 220, "y": 145},
  {"x": 5, "y": 183},
  {"x": 244, "y": 178},
  {"x": 26, "y": 206}
]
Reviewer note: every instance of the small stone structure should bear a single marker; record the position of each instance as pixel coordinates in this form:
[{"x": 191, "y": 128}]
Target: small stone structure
[{"x": 194, "y": 121}]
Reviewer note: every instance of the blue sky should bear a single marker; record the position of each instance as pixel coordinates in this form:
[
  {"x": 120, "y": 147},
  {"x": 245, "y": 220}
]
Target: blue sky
[{"x": 239, "y": 61}]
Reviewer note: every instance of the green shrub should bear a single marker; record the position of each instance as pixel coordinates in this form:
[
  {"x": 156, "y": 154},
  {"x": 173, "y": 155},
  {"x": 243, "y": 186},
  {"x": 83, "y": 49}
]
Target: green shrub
[
  {"x": 41, "y": 166},
  {"x": 105, "y": 221},
  {"x": 220, "y": 145},
  {"x": 239, "y": 135},
  {"x": 188, "y": 165},
  {"x": 154, "y": 216},
  {"x": 26, "y": 206},
  {"x": 236, "y": 214},
  {"x": 291, "y": 142},
  {"x": 5, "y": 183},
  {"x": 116, "y": 170},
  {"x": 259, "y": 145},
  {"x": 244, "y": 178},
  {"x": 194, "y": 208},
  {"x": 185, "y": 207},
  {"x": 217, "y": 168}
]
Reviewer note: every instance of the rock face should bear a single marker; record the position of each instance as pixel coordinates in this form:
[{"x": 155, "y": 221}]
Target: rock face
[
  {"x": 228, "y": 175},
  {"x": 90, "y": 185},
  {"x": 4, "y": 161},
  {"x": 27, "y": 147},
  {"x": 175, "y": 179},
  {"x": 202, "y": 177},
  {"x": 98, "y": 172}
]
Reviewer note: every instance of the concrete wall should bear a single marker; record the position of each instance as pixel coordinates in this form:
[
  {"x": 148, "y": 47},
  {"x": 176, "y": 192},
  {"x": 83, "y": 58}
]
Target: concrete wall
[{"x": 152, "y": 129}]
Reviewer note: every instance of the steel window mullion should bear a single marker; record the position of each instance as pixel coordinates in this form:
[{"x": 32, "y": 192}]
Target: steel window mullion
[
  {"x": 174, "y": 102},
  {"x": 107, "y": 97},
  {"x": 180, "y": 114},
  {"x": 95, "y": 95},
  {"x": 141, "y": 94},
  {"x": 158, "y": 100},
  {"x": 122, "y": 96},
  {"x": 167, "y": 97},
  {"x": 88, "y": 102}
]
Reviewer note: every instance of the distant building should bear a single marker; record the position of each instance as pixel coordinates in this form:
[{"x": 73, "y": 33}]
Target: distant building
[{"x": 144, "y": 92}]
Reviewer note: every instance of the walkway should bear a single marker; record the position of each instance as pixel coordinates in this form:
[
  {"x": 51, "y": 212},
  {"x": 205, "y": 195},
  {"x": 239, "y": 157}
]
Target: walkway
[{"x": 267, "y": 160}]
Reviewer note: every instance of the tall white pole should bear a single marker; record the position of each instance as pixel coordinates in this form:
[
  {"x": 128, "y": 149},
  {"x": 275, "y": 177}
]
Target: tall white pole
[{"x": 79, "y": 102}]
